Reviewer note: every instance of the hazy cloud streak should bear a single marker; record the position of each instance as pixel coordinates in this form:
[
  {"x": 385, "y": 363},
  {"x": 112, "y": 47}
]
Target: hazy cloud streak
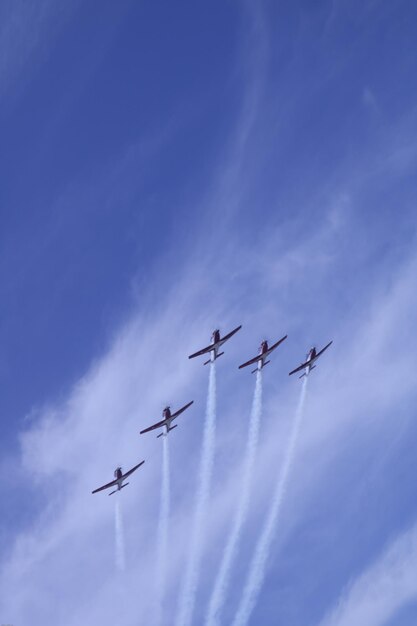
[
  {"x": 163, "y": 529},
  {"x": 119, "y": 536},
  {"x": 223, "y": 577},
  {"x": 187, "y": 598},
  {"x": 258, "y": 566},
  {"x": 382, "y": 589}
]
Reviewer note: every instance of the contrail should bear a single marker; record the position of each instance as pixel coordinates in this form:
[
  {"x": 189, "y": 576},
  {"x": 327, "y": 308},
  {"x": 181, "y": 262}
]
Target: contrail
[
  {"x": 120, "y": 542},
  {"x": 187, "y": 598},
  {"x": 223, "y": 577},
  {"x": 258, "y": 566},
  {"x": 163, "y": 529}
]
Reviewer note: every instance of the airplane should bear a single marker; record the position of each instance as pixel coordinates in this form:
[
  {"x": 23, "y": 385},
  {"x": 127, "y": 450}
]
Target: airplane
[
  {"x": 312, "y": 357},
  {"x": 119, "y": 479},
  {"x": 264, "y": 352},
  {"x": 216, "y": 343},
  {"x": 168, "y": 418}
]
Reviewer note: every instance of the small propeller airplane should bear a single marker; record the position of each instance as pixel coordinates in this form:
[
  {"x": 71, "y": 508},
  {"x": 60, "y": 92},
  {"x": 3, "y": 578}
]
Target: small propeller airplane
[
  {"x": 312, "y": 357},
  {"x": 168, "y": 418},
  {"x": 119, "y": 479},
  {"x": 216, "y": 342},
  {"x": 264, "y": 352}
]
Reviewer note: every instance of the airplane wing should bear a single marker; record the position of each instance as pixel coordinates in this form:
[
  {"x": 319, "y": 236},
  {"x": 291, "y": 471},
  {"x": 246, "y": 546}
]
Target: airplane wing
[
  {"x": 133, "y": 469},
  {"x": 251, "y": 362},
  {"x": 277, "y": 344},
  {"x": 181, "y": 410},
  {"x": 299, "y": 368},
  {"x": 226, "y": 337},
  {"x": 325, "y": 348},
  {"x": 157, "y": 425},
  {"x": 203, "y": 351},
  {"x": 112, "y": 484}
]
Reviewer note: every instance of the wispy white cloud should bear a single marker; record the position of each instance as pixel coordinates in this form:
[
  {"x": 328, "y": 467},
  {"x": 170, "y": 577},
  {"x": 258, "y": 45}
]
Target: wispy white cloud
[
  {"x": 61, "y": 568},
  {"x": 73, "y": 447},
  {"x": 26, "y": 29},
  {"x": 384, "y": 587},
  {"x": 192, "y": 571}
]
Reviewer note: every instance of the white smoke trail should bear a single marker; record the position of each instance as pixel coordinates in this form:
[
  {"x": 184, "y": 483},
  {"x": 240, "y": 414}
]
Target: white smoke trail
[
  {"x": 258, "y": 566},
  {"x": 223, "y": 577},
  {"x": 187, "y": 598},
  {"x": 119, "y": 535},
  {"x": 163, "y": 529}
]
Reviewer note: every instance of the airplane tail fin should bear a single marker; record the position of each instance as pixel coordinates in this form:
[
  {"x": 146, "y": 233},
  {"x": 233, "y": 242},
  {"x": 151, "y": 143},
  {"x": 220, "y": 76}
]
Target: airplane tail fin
[
  {"x": 122, "y": 487},
  {"x": 259, "y": 368},
  {"x": 172, "y": 427},
  {"x": 209, "y": 361},
  {"x": 313, "y": 367},
  {"x": 160, "y": 435}
]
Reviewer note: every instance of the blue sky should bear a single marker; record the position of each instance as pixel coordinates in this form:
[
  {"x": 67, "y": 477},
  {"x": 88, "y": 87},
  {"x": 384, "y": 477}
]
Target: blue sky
[{"x": 173, "y": 167}]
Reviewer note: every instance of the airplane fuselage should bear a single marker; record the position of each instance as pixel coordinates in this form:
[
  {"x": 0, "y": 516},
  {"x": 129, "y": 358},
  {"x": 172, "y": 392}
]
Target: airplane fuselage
[
  {"x": 216, "y": 343},
  {"x": 215, "y": 338},
  {"x": 311, "y": 359},
  {"x": 263, "y": 353},
  {"x": 118, "y": 474},
  {"x": 168, "y": 419}
]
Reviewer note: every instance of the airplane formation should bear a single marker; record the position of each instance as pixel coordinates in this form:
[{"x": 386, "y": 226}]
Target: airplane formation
[{"x": 213, "y": 350}]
